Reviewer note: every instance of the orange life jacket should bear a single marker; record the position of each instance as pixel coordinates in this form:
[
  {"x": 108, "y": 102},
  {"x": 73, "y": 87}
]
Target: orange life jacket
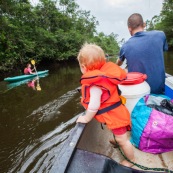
[{"x": 111, "y": 111}]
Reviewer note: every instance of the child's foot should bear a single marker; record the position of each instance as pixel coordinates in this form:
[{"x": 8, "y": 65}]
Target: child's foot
[{"x": 126, "y": 163}]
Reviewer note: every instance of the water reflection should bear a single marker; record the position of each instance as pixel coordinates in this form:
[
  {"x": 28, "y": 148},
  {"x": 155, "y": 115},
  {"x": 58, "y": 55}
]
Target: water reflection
[
  {"x": 41, "y": 153},
  {"x": 32, "y": 82},
  {"x": 40, "y": 156},
  {"x": 27, "y": 117}
]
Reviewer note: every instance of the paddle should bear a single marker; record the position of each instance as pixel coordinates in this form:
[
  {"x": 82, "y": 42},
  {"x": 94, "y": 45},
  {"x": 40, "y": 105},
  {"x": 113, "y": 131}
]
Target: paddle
[{"x": 38, "y": 85}]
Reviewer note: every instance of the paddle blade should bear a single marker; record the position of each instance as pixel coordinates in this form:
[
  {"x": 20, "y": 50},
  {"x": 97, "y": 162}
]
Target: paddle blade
[
  {"x": 33, "y": 62},
  {"x": 38, "y": 87}
]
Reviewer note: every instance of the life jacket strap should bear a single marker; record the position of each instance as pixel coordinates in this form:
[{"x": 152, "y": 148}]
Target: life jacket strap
[{"x": 115, "y": 105}]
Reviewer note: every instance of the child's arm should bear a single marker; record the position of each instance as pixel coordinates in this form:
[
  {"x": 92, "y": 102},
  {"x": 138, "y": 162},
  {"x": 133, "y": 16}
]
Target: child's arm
[
  {"x": 94, "y": 104},
  {"x": 30, "y": 71}
]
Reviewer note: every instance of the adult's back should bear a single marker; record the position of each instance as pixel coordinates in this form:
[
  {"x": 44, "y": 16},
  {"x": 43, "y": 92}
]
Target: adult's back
[{"x": 144, "y": 53}]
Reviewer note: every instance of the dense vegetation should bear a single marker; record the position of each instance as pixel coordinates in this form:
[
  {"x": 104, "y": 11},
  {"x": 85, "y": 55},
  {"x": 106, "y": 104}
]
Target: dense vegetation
[
  {"x": 50, "y": 31},
  {"x": 164, "y": 21},
  {"x": 54, "y": 30}
]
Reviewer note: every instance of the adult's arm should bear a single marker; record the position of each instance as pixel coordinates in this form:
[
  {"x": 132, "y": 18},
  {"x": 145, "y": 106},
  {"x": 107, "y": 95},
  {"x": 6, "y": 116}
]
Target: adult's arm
[
  {"x": 121, "y": 57},
  {"x": 119, "y": 62}
]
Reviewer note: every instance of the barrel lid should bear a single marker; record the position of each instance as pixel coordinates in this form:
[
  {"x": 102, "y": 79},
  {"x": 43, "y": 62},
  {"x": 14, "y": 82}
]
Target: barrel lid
[{"x": 134, "y": 78}]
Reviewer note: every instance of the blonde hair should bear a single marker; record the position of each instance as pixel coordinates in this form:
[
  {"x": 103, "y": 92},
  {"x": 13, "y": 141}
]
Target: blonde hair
[{"x": 92, "y": 56}]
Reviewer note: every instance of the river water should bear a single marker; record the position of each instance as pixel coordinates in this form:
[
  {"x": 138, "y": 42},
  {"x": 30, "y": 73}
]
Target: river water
[{"x": 34, "y": 124}]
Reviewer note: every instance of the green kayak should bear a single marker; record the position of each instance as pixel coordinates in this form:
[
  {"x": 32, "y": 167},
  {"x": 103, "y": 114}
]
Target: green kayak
[{"x": 23, "y": 77}]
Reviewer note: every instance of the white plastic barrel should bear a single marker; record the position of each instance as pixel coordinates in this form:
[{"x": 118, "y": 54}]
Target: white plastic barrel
[{"x": 134, "y": 88}]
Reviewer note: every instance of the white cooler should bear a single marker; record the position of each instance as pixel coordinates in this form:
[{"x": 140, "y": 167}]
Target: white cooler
[{"x": 134, "y": 88}]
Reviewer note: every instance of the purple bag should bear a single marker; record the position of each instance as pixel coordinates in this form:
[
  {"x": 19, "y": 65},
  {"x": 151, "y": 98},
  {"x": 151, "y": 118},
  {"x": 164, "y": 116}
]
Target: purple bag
[
  {"x": 152, "y": 130},
  {"x": 157, "y": 136}
]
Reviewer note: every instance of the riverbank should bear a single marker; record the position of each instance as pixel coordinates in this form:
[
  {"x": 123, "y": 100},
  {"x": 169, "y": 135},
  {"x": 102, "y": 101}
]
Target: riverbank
[{"x": 44, "y": 65}]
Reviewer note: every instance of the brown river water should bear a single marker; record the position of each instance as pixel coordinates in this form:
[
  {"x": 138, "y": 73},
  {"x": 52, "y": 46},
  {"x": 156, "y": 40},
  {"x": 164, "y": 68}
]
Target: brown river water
[{"x": 34, "y": 124}]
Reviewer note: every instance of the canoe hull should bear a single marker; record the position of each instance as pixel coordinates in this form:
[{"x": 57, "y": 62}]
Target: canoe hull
[
  {"x": 23, "y": 77},
  {"x": 14, "y": 84}
]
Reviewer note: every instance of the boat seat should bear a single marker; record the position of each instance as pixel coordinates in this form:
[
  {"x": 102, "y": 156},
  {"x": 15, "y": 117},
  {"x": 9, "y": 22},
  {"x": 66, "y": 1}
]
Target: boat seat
[{"x": 88, "y": 162}]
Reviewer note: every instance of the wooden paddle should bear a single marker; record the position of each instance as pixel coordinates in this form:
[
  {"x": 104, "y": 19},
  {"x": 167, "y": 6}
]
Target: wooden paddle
[{"x": 38, "y": 85}]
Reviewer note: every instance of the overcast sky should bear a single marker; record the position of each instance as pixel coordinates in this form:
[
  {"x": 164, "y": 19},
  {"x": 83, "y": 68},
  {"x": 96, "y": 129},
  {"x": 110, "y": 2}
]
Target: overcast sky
[{"x": 112, "y": 15}]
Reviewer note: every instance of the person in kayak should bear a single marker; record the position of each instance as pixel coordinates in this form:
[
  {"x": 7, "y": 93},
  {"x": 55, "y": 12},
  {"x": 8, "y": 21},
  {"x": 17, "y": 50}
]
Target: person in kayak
[
  {"x": 144, "y": 53},
  {"x": 100, "y": 96},
  {"x": 28, "y": 69}
]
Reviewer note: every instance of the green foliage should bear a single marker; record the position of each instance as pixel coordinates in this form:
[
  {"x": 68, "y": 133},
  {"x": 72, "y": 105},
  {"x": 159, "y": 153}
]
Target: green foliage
[
  {"x": 107, "y": 42},
  {"x": 164, "y": 21},
  {"x": 51, "y": 30}
]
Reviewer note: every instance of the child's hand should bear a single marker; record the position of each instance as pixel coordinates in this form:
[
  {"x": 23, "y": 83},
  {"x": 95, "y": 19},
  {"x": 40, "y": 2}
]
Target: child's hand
[
  {"x": 86, "y": 118},
  {"x": 81, "y": 119}
]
